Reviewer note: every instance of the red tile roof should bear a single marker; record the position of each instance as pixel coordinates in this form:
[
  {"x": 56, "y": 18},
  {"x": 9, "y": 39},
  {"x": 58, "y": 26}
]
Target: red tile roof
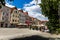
[
  {"x": 20, "y": 11},
  {"x": 26, "y": 13}
]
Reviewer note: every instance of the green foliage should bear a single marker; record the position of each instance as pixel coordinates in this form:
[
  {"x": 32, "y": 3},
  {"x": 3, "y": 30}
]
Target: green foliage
[
  {"x": 58, "y": 30},
  {"x": 50, "y": 9}
]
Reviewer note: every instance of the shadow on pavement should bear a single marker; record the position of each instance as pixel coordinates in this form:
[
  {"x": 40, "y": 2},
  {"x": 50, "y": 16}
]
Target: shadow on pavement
[{"x": 31, "y": 38}]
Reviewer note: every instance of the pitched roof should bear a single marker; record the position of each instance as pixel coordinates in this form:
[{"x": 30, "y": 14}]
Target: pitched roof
[
  {"x": 26, "y": 13},
  {"x": 12, "y": 9},
  {"x": 20, "y": 11}
]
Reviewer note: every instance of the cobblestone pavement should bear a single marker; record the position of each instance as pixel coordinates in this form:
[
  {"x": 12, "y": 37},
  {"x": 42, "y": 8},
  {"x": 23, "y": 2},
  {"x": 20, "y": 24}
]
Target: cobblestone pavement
[{"x": 10, "y": 33}]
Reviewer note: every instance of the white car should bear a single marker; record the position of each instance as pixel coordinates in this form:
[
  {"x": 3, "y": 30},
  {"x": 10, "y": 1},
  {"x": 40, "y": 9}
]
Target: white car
[{"x": 46, "y": 30}]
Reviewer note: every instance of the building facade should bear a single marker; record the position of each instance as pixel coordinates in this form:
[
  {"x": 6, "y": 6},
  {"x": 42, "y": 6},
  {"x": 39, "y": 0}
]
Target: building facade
[
  {"x": 9, "y": 17},
  {"x": 14, "y": 17},
  {"x": 22, "y": 17},
  {"x": 5, "y": 17}
]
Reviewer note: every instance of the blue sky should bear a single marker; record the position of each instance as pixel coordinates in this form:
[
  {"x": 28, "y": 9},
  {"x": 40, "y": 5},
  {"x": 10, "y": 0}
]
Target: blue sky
[
  {"x": 19, "y": 3},
  {"x": 29, "y": 6}
]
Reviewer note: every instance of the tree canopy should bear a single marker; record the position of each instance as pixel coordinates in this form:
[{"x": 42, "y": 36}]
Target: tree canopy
[{"x": 50, "y": 9}]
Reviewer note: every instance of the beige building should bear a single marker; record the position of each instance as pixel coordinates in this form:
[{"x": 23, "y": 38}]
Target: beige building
[
  {"x": 14, "y": 17},
  {"x": 8, "y": 16}
]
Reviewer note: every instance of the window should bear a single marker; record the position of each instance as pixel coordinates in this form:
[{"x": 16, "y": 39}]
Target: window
[
  {"x": 15, "y": 11},
  {"x": 13, "y": 15},
  {"x": 3, "y": 13},
  {"x": 7, "y": 14},
  {"x": 6, "y": 25},
  {"x": 1, "y": 24},
  {"x": 2, "y": 18},
  {"x": 16, "y": 15},
  {"x": 18, "y": 20},
  {"x": 13, "y": 20}
]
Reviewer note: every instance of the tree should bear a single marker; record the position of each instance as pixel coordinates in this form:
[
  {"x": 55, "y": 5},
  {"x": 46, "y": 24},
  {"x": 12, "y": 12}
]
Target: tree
[{"x": 50, "y": 9}]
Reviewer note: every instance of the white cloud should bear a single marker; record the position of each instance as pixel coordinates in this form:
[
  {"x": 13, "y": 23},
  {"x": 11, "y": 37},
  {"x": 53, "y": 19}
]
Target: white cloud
[
  {"x": 41, "y": 17},
  {"x": 8, "y": 5},
  {"x": 34, "y": 8},
  {"x": 33, "y": 2},
  {"x": 19, "y": 8},
  {"x": 38, "y": 16},
  {"x": 39, "y": 1},
  {"x": 34, "y": 11}
]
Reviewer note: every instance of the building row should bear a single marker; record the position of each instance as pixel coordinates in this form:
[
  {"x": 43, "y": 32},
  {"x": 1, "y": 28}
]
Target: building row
[{"x": 11, "y": 17}]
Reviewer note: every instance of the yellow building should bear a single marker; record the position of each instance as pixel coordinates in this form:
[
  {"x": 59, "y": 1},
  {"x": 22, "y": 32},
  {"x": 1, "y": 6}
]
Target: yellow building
[{"x": 14, "y": 17}]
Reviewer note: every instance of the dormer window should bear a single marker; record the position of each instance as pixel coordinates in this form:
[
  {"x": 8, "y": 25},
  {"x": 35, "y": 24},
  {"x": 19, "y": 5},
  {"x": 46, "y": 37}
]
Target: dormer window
[{"x": 2, "y": 18}]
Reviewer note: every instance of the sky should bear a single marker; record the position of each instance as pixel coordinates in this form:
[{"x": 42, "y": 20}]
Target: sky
[{"x": 30, "y": 6}]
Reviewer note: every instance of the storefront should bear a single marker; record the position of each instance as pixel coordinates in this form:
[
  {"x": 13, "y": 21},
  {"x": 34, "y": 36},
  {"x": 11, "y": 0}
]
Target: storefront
[
  {"x": 2, "y": 24},
  {"x": 22, "y": 25}
]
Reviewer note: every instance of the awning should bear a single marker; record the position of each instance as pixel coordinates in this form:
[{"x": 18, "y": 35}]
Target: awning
[
  {"x": 42, "y": 25},
  {"x": 38, "y": 25},
  {"x": 21, "y": 24}
]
